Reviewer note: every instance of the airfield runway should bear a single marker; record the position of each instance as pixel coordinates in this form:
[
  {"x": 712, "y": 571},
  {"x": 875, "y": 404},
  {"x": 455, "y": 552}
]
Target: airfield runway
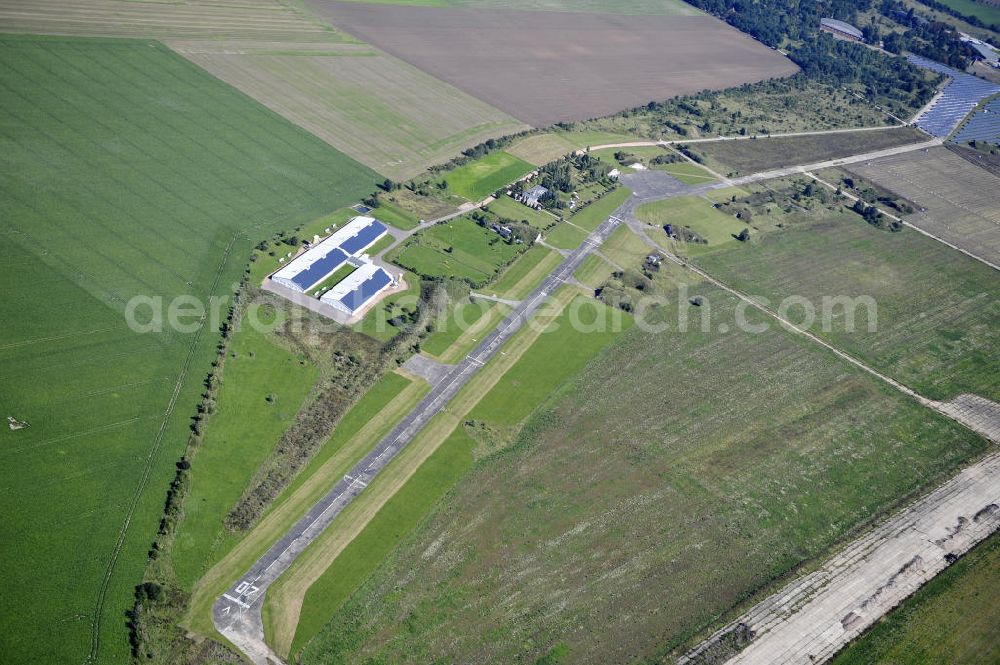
[{"x": 237, "y": 613}]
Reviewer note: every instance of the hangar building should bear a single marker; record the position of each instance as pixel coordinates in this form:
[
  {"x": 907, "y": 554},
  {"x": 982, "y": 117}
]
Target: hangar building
[{"x": 311, "y": 267}]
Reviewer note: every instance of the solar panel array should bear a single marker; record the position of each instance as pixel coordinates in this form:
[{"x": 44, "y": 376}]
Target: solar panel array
[
  {"x": 320, "y": 269},
  {"x": 364, "y": 291},
  {"x": 364, "y": 238},
  {"x": 983, "y": 126},
  {"x": 308, "y": 269},
  {"x": 960, "y": 96}
]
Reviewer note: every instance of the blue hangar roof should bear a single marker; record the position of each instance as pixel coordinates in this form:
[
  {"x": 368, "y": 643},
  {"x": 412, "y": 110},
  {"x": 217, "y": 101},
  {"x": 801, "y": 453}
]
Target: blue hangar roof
[{"x": 313, "y": 266}]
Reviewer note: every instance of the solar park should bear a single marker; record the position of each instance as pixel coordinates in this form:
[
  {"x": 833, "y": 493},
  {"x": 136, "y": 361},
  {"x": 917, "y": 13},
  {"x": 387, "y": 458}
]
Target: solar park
[
  {"x": 959, "y": 96},
  {"x": 343, "y": 247},
  {"x": 984, "y": 125}
]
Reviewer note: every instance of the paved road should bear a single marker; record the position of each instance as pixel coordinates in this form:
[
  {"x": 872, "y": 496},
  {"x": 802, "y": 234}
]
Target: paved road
[{"x": 237, "y": 613}]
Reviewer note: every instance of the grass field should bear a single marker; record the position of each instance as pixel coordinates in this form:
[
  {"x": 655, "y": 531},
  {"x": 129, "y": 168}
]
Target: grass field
[
  {"x": 761, "y": 154},
  {"x": 598, "y": 212},
  {"x": 957, "y": 197},
  {"x": 540, "y": 149},
  {"x": 689, "y": 174},
  {"x": 676, "y": 476},
  {"x": 938, "y": 318},
  {"x": 370, "y": 418},
  {"x": 698, "y": 215},
  {"x": 480, "y": 178},
  {"x": 583, "y": 330},
  {"x": 128, "y": 171},
  {"x": 286, "y": 598},
  {"x": 238, "y": 437},
  {"x": 952, "y": 619},
  {"x": 565, "y": 236},
  {"x": 391, "y": 524},
  {"x": 522, "y": 276},
  {"x": 508, "y": 208},
  {"x": 594, "y": 271},
  {"x": 396, "y": 216},
  {"x": 458, "y": 248}
]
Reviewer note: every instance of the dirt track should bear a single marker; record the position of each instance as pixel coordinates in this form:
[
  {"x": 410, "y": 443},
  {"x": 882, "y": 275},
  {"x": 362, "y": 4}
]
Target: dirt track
[{"x": 543, "y": 67}]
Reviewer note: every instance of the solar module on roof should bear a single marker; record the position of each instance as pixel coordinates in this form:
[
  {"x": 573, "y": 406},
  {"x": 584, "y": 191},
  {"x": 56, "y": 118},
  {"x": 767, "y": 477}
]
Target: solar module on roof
[
  {"x": 316, "y": 272},
  {"x": 366, "y": 290},
  {"x": 960, "y": 96}
]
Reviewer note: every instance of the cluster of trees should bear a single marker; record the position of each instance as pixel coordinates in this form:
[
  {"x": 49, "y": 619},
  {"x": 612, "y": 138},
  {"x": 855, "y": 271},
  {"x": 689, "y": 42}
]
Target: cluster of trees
[
  {"x": 930, "y": 39},
  {"x": 774, "y": 21},
  {"x": 872, "y": 215}
]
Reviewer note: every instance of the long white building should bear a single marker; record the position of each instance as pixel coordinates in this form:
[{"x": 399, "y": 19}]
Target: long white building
[
  {"x": 311, "y": 267},
  {"x": 354, "y": 291}
]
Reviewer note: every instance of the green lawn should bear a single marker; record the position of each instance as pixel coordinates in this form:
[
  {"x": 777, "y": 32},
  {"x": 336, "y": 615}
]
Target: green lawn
[
  {"x": 698, "y": 215},
  {"x": 642, "y": 7},
  {"x": 522, "y": 276},
  {"x": 936, "y": 315},
  {"x": 565, "y": 236},
  {"x": 952, "y": 619},
  {"x": 481, "y": 177},
  {"x": 458, "y": 248},
  {"x": 238, "y": 437},
  {"x": 594, "y": 271},
  {"x": 395, "y": 216},
  {"x": 393, "y": 522},
  {"x": 127, "y": 171},
  {"x": 676, "y": 476},
  {"x": 598, "y": 212},
  {"x": 459, "y": 316},
  {"x": 572, "y": 340},
  {"x": 508, "y": 208}
]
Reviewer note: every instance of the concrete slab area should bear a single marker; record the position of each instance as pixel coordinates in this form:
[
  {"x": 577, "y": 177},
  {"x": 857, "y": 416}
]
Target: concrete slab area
[
  {"x": 430, "y": 370},
  {"x": 811, "y": 619}
]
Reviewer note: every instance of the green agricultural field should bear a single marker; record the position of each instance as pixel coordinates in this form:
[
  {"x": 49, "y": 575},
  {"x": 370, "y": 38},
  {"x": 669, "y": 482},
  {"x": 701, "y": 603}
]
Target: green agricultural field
[
  {"x": 938, "y": 318},
  {"x": 458, "y": 248},
  {"x": 677, "y": 476},
  {"x": 480, "y": 178},
  {"x": 595, "y": 214},
  {"x": 238, "y": 438},
  {"x": 393, "y": 522},
  {"x": 508, "y": 208},
  {"x": 698, "y": 215},
  {"x": 127, "y": 171},
  {"x": 952, "y": 619}
]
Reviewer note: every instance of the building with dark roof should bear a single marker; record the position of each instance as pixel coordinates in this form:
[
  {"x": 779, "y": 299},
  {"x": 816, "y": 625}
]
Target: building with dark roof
[
  {"x": 321, "y": 260},
  {"x": 841, "y": 29}
]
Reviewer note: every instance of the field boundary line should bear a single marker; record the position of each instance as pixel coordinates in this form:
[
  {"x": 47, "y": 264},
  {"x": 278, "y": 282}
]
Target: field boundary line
[{"x": 95, "y": 644}]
